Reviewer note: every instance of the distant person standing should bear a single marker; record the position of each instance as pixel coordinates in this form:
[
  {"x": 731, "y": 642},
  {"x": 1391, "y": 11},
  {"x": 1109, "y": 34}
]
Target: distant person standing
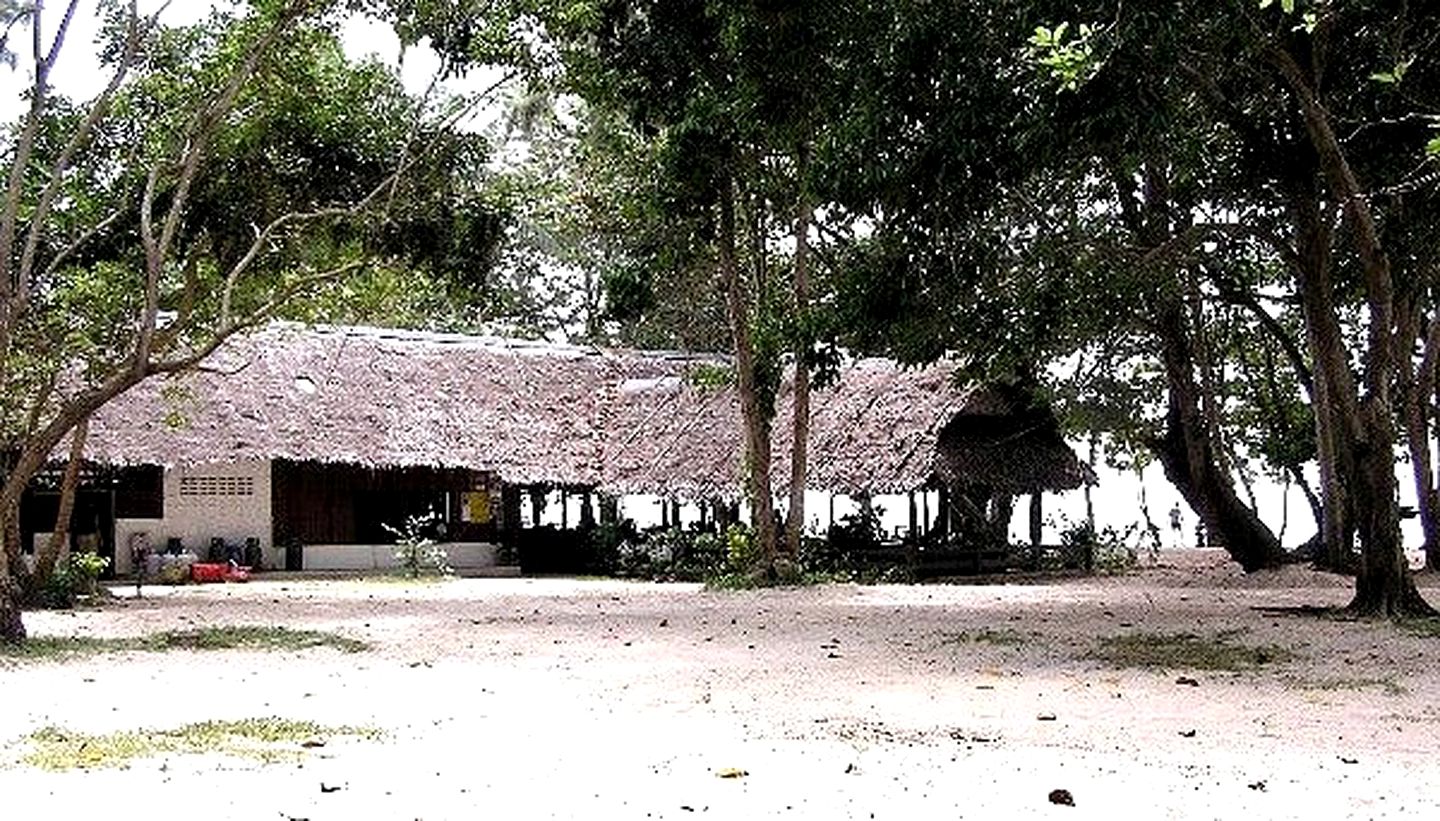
[{"x": 1175, "y": 525}]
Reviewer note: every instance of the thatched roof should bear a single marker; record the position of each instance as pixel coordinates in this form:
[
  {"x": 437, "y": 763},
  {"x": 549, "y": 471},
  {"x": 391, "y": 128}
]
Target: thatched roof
[
  {"x": 624, "y": 421},
  {"x": 1018, "y": 451}
]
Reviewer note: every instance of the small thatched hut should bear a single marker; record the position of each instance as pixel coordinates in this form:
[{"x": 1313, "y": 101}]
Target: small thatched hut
[{"x": 321, "y": 436}]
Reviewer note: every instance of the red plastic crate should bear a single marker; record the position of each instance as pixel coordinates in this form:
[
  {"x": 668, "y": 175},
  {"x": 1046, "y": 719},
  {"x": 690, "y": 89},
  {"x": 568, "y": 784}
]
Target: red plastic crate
[{"x": 202, "y": 572}]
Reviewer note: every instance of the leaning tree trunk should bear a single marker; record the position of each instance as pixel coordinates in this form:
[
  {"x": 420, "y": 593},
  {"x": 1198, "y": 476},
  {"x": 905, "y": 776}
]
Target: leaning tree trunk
[
  {"x": 756, "y": 420},
  {"x": 1188, "y": 455},
  {"x": 49, "y": 556},
  {"x": 1317, "y": 509}
]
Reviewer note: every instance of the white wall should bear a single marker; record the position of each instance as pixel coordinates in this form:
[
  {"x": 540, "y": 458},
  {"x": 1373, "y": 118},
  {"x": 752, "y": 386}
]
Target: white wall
[
  {"x": 124, "y": 529},
  {"x": 226, "y": 500},
  {"x": 461, "y": 556}
]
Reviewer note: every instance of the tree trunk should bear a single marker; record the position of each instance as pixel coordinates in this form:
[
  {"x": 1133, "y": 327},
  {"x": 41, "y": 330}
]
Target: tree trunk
[
  {"x": 1093, "y": 459},
  {"x": 800, "y": 305},
  {"x": 1333, "y": 380},
  {"x": 1037, "y": 519},
  {"x": 1188, "y": 455},
  {"x": 12, "y": 571},
  {"x": 48, "y": 556},
  {"x": 1415, "y": 390},
  {"x": 756, "y": 420},
  {"x": 12, "y": 626},
  {"x": 10, "y": 535},
  {"x": 1384, "y": 585}
]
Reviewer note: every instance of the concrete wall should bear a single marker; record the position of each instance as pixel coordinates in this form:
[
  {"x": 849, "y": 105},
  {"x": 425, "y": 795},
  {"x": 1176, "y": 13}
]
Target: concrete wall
[
  {"x": 462, "y": 555},
  {"x": 226, "y": 500}
]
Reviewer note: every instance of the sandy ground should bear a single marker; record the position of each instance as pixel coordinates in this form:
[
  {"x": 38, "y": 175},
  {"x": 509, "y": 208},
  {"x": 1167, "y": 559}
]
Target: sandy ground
[{"x": 554, "y": 698}]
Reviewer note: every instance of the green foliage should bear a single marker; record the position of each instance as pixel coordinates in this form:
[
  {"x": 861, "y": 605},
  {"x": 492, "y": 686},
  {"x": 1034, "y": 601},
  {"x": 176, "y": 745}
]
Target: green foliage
[
  {"x": 672, "y": 555},
  {"x": 416, "y": 550},
  {"x": 687, "y": 556},
  {"x": 1394, "y": 75},
  {"x": 310, "y": 133},
  {"x": 78, "y": 575},
  {"x": 1069, "y": 61},
  {"x": 742, "y": 552},
  {"x": 1108, "y": 551},
  {"x": 708, "y": 376}
]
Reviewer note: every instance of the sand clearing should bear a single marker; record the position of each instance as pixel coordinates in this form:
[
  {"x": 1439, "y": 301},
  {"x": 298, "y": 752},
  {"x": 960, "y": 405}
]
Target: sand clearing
[{"x": 553, "y": 698}]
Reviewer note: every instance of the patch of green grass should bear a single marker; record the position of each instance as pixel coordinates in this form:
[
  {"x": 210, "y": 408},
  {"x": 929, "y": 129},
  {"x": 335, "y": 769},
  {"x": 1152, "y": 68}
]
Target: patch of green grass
[
  {"x": 267, "y": 740},
  {"x": 402, "y": 578},
  {"x": 1389, "y": 685},
  {"x": 1423, "y": 628},
  {"x": 1003, "y": 637},
  {"x": 735, "y": 581},
  {"x": 1186, "y": 651},
  {"x": 236, "y": 637}
]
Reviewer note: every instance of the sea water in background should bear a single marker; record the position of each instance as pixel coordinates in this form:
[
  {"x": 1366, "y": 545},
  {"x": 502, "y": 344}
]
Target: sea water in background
[{"x": 1120, "y": 500}]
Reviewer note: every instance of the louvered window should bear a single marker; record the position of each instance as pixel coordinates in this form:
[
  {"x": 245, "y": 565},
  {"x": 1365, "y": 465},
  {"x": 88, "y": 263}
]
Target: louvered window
[{"x": 217, "y": 486}]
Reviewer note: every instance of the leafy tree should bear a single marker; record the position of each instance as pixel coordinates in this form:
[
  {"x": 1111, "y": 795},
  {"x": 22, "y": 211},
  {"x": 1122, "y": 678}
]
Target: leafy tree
[
  {"x": 717, "y": 112},
  {"x": 1131, "y": 163},
  {"x": 227, "y": 169}
]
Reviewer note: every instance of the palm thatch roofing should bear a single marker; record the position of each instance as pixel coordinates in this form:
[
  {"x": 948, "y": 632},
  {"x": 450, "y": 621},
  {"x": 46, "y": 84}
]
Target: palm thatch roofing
[{"x": 620, "y": 421}]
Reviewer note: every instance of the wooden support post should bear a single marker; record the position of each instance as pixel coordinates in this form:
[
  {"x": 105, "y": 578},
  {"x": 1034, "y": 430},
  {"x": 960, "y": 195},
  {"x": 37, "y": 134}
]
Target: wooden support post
[
  {"x": 1036, "y": 528},
  {"x": 925, "y": 510},
  {"x": 914, "y": 523},
  {"x": 609, "y": 509},
  {"x": 564, "y": 509},
  {"x": 587, "y": 510},
  {"x": 509, "y": 519}
]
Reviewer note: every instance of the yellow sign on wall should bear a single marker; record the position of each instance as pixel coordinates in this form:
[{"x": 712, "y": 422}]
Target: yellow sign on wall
[{"x": 475, "y": 506}]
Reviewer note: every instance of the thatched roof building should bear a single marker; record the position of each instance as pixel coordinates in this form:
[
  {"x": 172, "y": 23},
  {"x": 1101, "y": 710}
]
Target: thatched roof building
[{"x": 621, "y": 421}]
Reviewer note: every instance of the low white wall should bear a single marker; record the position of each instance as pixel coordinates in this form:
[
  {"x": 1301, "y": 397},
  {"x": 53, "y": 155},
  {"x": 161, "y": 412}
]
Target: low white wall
[{"x": 462, "y": 556}]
